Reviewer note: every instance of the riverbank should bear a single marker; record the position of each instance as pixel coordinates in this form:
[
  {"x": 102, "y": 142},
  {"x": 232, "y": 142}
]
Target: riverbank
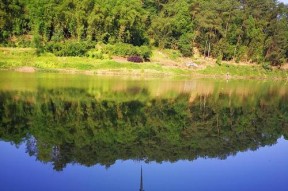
[
  {"x": 162, "y": 64},
  {"x": 25, "y": 60}
]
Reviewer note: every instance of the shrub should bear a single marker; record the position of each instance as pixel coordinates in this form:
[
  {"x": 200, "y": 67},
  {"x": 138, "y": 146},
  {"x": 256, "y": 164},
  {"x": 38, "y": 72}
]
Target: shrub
[
  {"x": 275, "y": 58},
  {"x": 266, "y": 66},
  {"x": 122, "y": 49},
  {"x": 119, "y": 49},
  {"x": 185, "y": 45},
  {"x": 219, "y": 60},
  {"x": 95, "y": 54},
  {"x": 173, "y": 54},
  {"x": 38, "y": 44},
  {"x": 145, "y": 52},
  {"x": 68, "y": 48},
  {"x": 136, "y": 59}
]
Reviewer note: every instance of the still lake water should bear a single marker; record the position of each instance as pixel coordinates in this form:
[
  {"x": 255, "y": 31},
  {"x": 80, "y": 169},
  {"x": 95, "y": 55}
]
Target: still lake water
[{"x": 76, "y": 132}]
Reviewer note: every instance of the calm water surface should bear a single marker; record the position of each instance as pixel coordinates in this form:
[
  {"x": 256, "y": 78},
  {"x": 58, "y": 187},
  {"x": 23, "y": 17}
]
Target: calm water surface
[{"x": 76, "y": 132}]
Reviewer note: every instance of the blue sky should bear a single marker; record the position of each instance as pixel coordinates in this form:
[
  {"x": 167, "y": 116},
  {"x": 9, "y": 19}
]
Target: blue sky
[{"x": 285, "y": 1}]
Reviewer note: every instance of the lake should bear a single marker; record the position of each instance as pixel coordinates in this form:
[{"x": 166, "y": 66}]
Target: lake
[{"x": 79, "y": 132}]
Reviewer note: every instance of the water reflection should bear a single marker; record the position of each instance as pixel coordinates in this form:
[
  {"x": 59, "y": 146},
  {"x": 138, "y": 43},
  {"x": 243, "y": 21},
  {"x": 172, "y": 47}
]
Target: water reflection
[
  {"x": 98, "y": 124},
  {"x": 141, "y": 181}
]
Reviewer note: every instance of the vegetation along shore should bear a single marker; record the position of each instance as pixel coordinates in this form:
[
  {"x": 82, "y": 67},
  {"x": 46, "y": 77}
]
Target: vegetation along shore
[{"x": 203, "y": 38}]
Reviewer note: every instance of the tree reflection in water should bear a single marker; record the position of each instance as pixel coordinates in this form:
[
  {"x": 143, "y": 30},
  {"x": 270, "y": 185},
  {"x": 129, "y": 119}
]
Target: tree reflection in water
[{"x": 71, "y": 125}]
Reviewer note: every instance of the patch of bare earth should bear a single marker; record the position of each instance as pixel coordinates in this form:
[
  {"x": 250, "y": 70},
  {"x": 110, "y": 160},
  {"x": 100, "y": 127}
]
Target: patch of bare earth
[
  {"x": 284, "y": 66},
  {"x": 27, "y": 69},
  {"x": 17, "y": 49},
  {"x": 119, "y": 59}
]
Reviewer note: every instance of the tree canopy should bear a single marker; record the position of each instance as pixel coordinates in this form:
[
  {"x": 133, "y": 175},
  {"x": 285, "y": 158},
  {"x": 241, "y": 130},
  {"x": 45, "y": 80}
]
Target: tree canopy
[{"x": 230, "y": 29}]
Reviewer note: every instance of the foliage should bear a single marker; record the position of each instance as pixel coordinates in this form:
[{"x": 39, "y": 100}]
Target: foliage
[
  {"x": 219, "y": 60},
  {"x": 125, "y": 50},
  {"x": 266, "y": 66},
  {"x": 68, "y": 48},
  {"x": 238, "y": 30},
  {"x": 185, "y": 45},
  {"x": 13, "y": 19},
  {"x": 95, "y": 54}
]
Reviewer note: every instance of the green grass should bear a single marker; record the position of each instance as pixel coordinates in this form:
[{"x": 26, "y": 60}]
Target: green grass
[
  {"x": 253, "y": 71},
  {"x": 12, "y": 58}
]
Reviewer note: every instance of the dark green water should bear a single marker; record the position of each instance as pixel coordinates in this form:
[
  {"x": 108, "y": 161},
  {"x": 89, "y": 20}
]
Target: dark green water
[{"x": 93, "y": 133}]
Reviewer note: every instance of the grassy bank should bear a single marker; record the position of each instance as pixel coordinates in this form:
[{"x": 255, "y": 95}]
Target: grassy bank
[
  {"x": 15, "y": 58},
  {"x": 244, "y": 71},
  {"x": 162, "y": 63}
]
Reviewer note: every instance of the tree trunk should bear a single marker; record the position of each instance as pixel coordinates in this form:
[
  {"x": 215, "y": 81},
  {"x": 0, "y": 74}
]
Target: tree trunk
[{"x": 209, "y": 48}]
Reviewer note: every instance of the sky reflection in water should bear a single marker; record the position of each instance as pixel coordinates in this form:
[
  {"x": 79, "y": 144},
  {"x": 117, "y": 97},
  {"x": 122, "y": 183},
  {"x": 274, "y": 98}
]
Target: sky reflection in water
[{"x": 266, "y": 169}]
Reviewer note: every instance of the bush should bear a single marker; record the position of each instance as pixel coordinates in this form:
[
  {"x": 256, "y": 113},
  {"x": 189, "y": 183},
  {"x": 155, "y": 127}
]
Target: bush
[
  {"x": 276, "y": 58},
  {"x": 145, "y": 52},
  {"x": 223, "y": 48},
  {"x": 95, "y": 54},
  {"x": 38, "y": 44},
  {"x": 136, "y": 59},
  {"x": 122, "y": 49},
  {"x": 266, "y": 66},
  {"x": 185, "y": 45},
  {"x": 241, "y": 54},
  {"x": 173, "y": 54},
  {"x": 219, "y": 60},
  {"x": 69, "y": 48}
]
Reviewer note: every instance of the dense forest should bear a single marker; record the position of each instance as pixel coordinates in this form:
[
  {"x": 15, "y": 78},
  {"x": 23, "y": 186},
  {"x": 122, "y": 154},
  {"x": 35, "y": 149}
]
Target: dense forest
[
  {"x": 68, "y": 125},
  {"x": 239, "y": 30}
]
